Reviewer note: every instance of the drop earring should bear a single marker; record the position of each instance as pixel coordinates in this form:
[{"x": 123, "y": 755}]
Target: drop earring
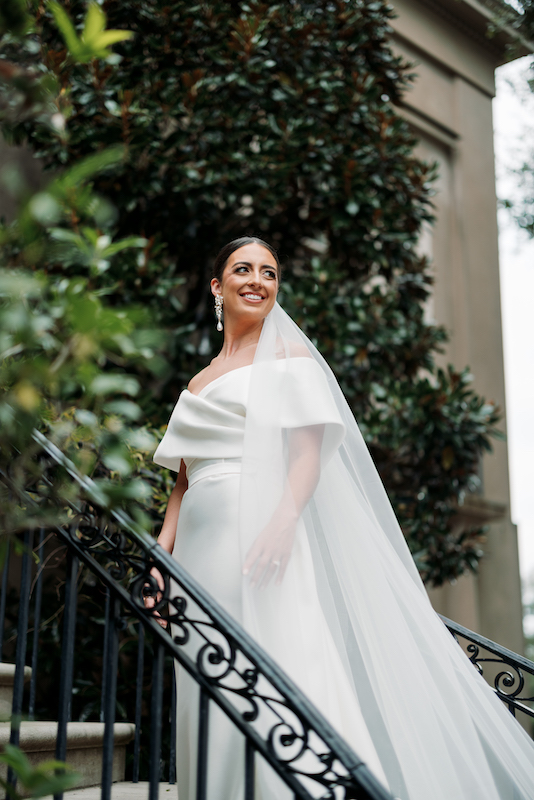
[{"x": 218, "y": 310}]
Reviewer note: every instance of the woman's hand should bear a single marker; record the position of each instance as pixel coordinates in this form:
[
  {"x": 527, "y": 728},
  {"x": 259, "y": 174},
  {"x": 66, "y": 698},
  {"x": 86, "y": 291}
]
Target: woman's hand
[
  {"x": 151, "y": 601},
  {"x": 271, "y": 551}
]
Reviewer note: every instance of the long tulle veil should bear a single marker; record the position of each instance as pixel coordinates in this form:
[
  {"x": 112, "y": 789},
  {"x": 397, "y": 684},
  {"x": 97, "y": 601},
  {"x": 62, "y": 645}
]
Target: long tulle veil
[{"x": 440, "y": 731}]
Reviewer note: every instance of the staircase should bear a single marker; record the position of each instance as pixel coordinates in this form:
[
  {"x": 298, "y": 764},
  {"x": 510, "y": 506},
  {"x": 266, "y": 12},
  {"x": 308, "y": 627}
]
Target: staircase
[
  {"x": 125, "y": 791},
  {"x": 84, "y": 739},
  {"x": 120, "y": 557}
]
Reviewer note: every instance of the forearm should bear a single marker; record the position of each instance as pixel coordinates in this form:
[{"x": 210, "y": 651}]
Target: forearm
[
  {"x": 271, "y": 550},
  {"x": 167, "y": 533},
  {"x": 302, "y": 480},
  {"x": 304, "y": 470}
]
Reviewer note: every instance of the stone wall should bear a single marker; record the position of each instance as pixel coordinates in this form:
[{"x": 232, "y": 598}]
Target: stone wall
[{"x": 450, "y": 109}]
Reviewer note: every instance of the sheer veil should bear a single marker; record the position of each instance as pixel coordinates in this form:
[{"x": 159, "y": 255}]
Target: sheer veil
[{"x": 440, "y": 731}]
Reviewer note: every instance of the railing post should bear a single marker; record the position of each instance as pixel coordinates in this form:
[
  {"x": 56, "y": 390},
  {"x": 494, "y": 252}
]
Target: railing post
[
  {"x": 67, "y": 657},
  {"x": 110, "y": 669},
  {"x": 156, "y": 719},
  {"x": 202, "y": 754},
  {"x": 103, "y": 688},
  {"x": 20, "y": 656},
  {"x": 172, "y": 751},
  {"x": 3, "y": 598},
  {"x": 138, "y": 700},
  {"x": 36, "y": 626},
  {"x": 250, "y": 754}
]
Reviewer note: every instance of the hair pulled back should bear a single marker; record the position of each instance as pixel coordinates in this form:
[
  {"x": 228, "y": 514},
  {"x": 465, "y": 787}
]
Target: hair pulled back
[{"x": 225, "y": 252}]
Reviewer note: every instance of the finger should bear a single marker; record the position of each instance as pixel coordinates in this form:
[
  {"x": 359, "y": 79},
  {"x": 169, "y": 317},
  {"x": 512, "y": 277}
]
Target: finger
[
  {"x": 256, "y": 567},
  {"x": 259, "y": 570},
  {"x": 253, "y": 554},
  {"x": 156, "y": 574},
  {"x": 271, "y": 569},
  {"x": 268, "y": 575},
  {"x": 159, "y": 619},
  {"x": 282, "y": 570}
]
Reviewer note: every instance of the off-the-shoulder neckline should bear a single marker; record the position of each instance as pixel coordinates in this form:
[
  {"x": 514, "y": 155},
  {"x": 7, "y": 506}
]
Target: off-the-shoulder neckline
[
  {"x": 216, "y": 380},
  {"x": 237, "y": 369}
]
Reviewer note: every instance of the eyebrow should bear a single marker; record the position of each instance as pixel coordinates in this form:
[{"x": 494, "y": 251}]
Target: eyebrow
[{"x": 248, "y": 264}]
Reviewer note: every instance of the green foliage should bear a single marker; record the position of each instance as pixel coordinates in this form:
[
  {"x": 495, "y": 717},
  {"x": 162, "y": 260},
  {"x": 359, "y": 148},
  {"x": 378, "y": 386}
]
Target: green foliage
[
  {"x": 63, "y": 352},
  {"x": 47, "y": 778},
  {"x": 94, "y": 41},
  {"x": 70, "y": 363},
  {"x": 274, "y": 119},
  {"x": 14, "y": 17},
  {"x": 519, "y": 17}
]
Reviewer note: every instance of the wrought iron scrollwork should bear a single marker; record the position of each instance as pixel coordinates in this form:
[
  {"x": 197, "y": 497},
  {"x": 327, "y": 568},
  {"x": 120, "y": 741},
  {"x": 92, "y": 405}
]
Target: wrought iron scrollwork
[
  {"x": 510, "y": 675},
  {"x": 276, "y": 719},
  {"x": 272, "y": 713}
]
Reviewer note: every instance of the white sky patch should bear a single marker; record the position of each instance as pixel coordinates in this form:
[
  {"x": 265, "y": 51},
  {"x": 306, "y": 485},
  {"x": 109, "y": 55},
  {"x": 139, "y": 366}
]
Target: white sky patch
[{"x": 513, "y": 110}]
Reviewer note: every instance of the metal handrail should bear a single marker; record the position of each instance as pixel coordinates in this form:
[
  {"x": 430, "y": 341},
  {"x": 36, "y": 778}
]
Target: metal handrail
[
  {"x": 230, "y": 668},
  {"x": 509, "y": 681}
]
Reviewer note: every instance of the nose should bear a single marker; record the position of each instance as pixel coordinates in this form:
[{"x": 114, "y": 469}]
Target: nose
[{"x": 254, "y": 278}]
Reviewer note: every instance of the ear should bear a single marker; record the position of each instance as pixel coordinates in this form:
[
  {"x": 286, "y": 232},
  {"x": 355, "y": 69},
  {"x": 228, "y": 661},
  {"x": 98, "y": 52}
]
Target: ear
[{"x": 216, "y": 287}]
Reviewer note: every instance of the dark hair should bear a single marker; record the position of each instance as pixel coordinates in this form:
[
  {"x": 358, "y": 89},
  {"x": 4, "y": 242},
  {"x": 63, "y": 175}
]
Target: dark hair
[{"x": 225, "y": 252}]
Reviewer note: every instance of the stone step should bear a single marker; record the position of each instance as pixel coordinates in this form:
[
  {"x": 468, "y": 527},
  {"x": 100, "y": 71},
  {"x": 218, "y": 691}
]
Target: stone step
[
  {"x": 84, "y": 747},
  {"x": 7, "y": 678},
  {"x": 124, "y": 791}
]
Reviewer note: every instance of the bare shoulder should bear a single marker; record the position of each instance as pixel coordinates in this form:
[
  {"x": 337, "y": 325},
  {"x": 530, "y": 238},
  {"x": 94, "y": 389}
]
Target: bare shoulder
[
  {"x": 299, "y": 350},
  {"x": 197, "y": 380},
  {"x": 296, "y": 350}
]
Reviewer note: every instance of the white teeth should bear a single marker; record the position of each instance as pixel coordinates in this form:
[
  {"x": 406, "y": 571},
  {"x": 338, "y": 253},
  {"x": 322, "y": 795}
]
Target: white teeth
[{"x": 253, "y": 296}]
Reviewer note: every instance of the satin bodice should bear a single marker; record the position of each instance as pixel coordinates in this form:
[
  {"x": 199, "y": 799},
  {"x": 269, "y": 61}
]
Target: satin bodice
[{"x": 211, "y": 425}]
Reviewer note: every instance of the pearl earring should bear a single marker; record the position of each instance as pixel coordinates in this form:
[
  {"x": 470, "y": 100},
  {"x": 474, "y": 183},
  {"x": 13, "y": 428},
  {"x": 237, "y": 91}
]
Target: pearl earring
[{"x": 218, "y": 310}]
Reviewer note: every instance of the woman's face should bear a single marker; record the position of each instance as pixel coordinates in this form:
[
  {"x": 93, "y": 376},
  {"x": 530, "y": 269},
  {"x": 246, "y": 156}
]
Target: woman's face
[{"x": 249, "y": 283}]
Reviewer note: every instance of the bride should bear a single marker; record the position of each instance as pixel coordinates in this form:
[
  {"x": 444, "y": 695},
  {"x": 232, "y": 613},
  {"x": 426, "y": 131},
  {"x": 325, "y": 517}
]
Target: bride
[{"x": 279, "y": 512}]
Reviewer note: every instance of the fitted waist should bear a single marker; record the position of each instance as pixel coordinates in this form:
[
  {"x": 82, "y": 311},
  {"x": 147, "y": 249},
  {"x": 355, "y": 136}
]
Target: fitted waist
[{"x": 200, "y": 468}]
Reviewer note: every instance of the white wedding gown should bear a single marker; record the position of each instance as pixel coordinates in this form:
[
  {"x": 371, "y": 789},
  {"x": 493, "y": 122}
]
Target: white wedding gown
[
  {"x": 350, "y": 623},
  {"x": 207, "y": 431}
]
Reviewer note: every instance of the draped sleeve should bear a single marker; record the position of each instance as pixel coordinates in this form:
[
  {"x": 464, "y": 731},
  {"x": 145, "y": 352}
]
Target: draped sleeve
[
  {"x": 208, "y": 426},
  {"x": 306, "y": 399}
]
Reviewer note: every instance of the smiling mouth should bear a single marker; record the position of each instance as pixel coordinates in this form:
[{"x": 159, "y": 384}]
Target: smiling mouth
[{"x": 252, "y": 296}]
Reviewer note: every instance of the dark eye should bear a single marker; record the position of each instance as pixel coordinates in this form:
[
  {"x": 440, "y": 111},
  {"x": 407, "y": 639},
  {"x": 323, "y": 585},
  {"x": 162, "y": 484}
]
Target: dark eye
[
  {"x": 271, "y": 273},
  {"x": 241, "y": 267}
]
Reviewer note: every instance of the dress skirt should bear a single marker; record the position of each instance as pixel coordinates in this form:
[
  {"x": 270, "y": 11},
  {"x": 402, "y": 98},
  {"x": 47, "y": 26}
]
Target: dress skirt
[{"x": 288, "y": 624}]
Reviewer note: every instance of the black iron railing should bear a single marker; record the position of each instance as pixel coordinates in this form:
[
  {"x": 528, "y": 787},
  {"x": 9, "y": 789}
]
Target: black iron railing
[
  {"x": 231, "y": 670},
  {"x": 511, "y": 675},
  {"x": 278, "y": 722}
]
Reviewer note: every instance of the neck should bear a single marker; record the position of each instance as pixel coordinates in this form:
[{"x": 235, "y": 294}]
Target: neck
[{"x": 238, "y": 335}]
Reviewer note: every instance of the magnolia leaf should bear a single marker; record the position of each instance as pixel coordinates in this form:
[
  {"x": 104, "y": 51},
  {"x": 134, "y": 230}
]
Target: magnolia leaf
[
  {"x": 124, "y": 408},
  {"x": 64, "y": 235},
  {"x": 123, "y": 244},
  {"x": 89, "y": 166},
  {"x": 117, "y": 461},
  {"x": 109, "y": 383}
]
